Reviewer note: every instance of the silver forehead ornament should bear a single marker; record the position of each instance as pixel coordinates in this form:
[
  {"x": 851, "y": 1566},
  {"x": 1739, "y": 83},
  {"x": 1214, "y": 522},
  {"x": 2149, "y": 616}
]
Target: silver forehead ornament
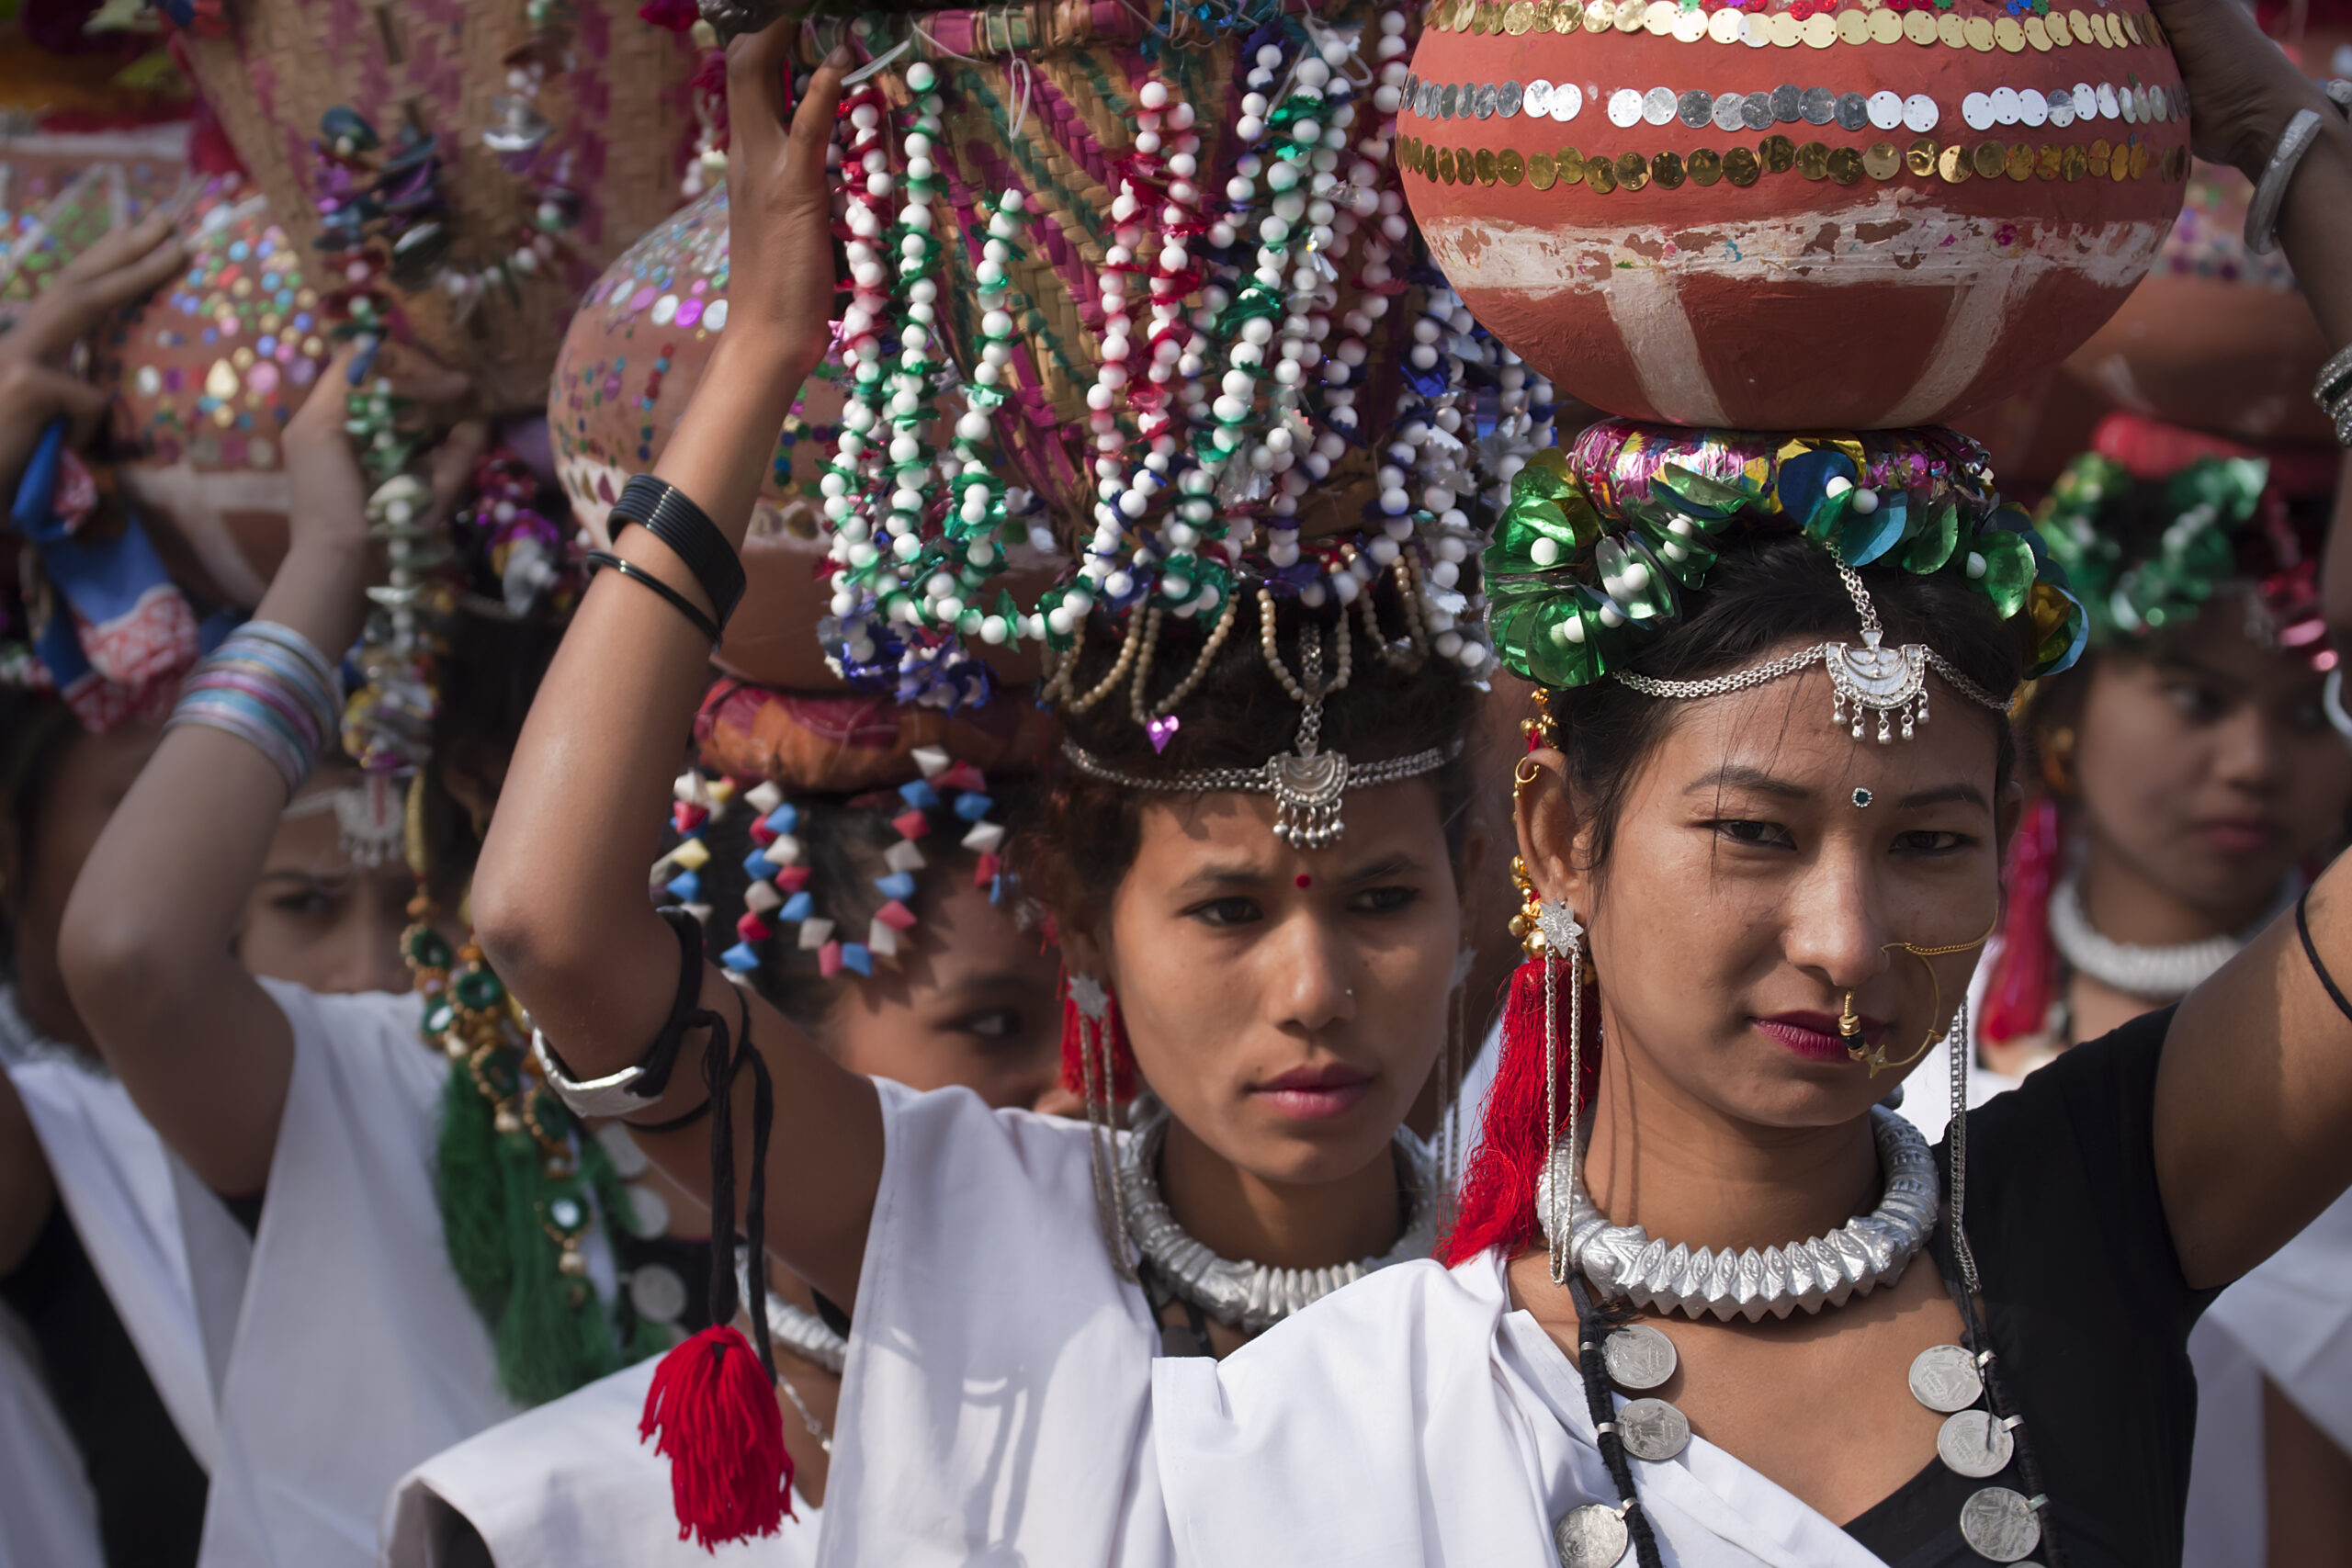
[{"x": 1870, "y": 678}]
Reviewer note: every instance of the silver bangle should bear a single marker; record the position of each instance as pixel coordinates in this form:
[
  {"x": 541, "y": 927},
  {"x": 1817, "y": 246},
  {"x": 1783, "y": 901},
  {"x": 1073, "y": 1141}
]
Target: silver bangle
[
  {"x": 2270, "y": 191},
  {"x": 2331, "y": 702},
  {"x": 615, "y": 1094},
  {"x": 2333, "y": 393}
]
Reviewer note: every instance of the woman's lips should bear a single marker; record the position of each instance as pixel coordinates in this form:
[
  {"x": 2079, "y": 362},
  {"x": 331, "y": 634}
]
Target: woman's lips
[
  {"x": 1315, "y": 1094},
  {"x": 2240, "y": 835},
  {"x": 1814, "y": 1036}
]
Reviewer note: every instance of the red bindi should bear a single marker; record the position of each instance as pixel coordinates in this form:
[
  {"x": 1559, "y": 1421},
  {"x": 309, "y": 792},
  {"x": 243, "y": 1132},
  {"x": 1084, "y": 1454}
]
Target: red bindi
[{"x": 1305, "y": 881}]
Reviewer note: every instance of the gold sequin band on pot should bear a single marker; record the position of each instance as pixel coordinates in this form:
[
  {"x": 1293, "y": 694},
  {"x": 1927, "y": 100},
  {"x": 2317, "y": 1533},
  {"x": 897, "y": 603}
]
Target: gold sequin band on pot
[
  {"x": 1858, "y": 25},
  {"x": 1953, "y": 162}
]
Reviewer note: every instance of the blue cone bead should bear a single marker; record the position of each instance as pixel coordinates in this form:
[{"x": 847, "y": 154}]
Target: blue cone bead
[
  {"x": 898, "y": 885},
  {"x": 756, "y": 866},
  {"x": 740, "y": 958},
  {"x": 685, "y": 886},
  {"x": 918, "y": 794},
  {"x": 784, "y": 818},
  {"x": 971, "y": 807},
  {"x": 799, "y": 906},
  {"x": 855, "y": 957}
]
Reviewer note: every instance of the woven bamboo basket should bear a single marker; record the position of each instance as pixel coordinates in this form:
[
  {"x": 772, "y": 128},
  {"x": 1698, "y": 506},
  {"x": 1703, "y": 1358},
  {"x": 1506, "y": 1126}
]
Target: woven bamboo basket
[
  {"x": 623, "y": 112},
  {"x": 1040, "y": 100}
]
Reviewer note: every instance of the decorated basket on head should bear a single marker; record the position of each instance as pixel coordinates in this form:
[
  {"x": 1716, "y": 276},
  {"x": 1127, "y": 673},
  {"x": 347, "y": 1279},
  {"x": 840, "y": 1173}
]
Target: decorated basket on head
[
  {"x": 1167, "y": 263},
  {"x": 1796, "y": 213},
  {"x": 530, "y": 141}
]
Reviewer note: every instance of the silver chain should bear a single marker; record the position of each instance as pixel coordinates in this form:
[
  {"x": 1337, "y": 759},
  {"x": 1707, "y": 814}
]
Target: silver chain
[
  {"x": 1960, "y": 1046},
  {"x": 1789, "y": 664},
  {"x": 1259, "y": 780},
  {"x": 1872, "y": 630}
]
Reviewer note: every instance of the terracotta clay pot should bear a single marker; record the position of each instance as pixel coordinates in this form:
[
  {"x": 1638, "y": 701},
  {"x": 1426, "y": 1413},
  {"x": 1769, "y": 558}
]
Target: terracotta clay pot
[
  {"x": 2217, "y": 338},
  {"x": 205, "y": 373},
  {"x": 1796, "y": 215},
  {"x": 629, "y": 365},
  {"x": 2214, "y": 338}
]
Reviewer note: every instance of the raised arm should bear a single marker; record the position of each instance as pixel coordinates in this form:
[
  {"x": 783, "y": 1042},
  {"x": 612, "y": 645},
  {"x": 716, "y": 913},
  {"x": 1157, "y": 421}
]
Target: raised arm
[
  {"x": 145, "y": 951},
  {"x": 559, "y": 896},
  {"x": 2254, "y": 1097}
]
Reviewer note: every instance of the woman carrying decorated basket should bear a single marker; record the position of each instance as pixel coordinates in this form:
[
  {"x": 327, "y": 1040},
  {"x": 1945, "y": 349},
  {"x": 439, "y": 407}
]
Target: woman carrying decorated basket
[
  {"x": 1688, "y": 1318},
  {"x": 1252, "y": 848},
  {"x": 938, "y": 977}
]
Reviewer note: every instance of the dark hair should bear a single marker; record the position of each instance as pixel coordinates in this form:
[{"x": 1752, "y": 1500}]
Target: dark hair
[
  {"x": 842, "y": 842},
  {"x": 489, "y": 671},
  {"x": 35, "y": 733},
  {"x": 1761, "y": 593},
  {"x": 1081, "y": 843}
]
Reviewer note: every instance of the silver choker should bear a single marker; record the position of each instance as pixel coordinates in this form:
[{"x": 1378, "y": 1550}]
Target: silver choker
[
  {"x": 807, "y": 1335},
  {"x": 1866, "y": 1252},
  {"x": 2151, "y": 973},
  {"x": 1251, "y": 1296},
  {"x": 803, "y": 1333}
]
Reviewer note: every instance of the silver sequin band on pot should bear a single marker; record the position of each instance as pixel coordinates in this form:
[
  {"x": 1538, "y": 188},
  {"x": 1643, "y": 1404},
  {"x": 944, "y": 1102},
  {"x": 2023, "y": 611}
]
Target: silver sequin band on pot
[
  {"x": 1856, "y": 1257},
  {"x": 1253, "y": 1297}
]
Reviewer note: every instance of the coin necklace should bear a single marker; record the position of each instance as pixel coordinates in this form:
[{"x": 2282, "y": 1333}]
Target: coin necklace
[{"x": 2000, "y": 1524}]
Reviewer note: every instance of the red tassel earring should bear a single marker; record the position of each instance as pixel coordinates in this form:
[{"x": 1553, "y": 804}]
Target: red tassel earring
[
  {"x": 1096, "y": 1064},
  {"x": 1522, "y": 1115},
  {"x": 2024, "y": 978}
]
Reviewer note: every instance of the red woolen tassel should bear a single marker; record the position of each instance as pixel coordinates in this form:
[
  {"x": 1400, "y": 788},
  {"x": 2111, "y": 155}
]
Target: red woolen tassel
[
  {"x": 670, "y": 15},
  {"x": 730, "y": 1475},
  {"x": 1498, "y": 1191},
  {"x": 2025, "y": 972}
]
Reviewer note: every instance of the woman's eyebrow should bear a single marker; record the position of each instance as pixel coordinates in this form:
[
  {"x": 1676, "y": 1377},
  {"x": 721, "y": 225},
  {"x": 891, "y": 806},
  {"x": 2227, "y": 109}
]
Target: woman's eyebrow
[{"x": 1739, "y": 776}]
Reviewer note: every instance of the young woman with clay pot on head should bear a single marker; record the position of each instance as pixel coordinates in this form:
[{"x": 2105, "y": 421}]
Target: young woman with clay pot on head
[
  {"x": 2190, "y": 780},
  {"x": 326, "y": 1114},
  {"x": 1688, "y": 1320},
  {"x": 1276, "y": 970},
  {"x": 2189, "y": 772}
]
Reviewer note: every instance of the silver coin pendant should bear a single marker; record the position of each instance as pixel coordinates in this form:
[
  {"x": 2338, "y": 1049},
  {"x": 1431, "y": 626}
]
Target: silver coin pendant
[
  {"x": 1974, "y": 1443},
  {"x": 1637, "y": 1357},
  {"x": 1944, "y": 1379},
  {"x": 657, "y": 1293},
  {"x": 1652, "y": 1430},
  {"x": 1593, "y": 1536},
  {"x": 2000, "y": 1524},
  {"x": 629, "y": 1160}
]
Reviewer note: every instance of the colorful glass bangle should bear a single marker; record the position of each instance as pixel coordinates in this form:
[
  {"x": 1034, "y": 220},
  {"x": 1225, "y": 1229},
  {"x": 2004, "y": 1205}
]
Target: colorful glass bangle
[
  {"x": 678, "y": 601},
  {"x": 668, "y": 513},
  {"x": 246, "y": 717}
]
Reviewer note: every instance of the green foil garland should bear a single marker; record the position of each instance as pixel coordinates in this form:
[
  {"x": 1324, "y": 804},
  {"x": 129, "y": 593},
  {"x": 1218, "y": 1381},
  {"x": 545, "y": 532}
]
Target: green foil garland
[
  {"x": 2203, "y": 506},
  {"x": 1582, "y": 563}
]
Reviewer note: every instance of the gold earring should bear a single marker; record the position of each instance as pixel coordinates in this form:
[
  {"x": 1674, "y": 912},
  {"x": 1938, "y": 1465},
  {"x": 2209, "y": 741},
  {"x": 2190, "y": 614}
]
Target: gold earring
[
  {"x": 1542, "y": 728},
  {"x": 1528, "y": 770},
  {"x": 1525, "y": 925},
  {"x": 2058, "y": 760}
]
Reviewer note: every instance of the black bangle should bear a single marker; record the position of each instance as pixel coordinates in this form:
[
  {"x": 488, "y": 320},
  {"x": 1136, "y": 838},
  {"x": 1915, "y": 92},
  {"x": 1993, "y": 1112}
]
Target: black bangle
[
  {"x": 2303, "y": 929},
  {"x": 678, "y": 601},
  {"x": 668, "y": 513}
]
